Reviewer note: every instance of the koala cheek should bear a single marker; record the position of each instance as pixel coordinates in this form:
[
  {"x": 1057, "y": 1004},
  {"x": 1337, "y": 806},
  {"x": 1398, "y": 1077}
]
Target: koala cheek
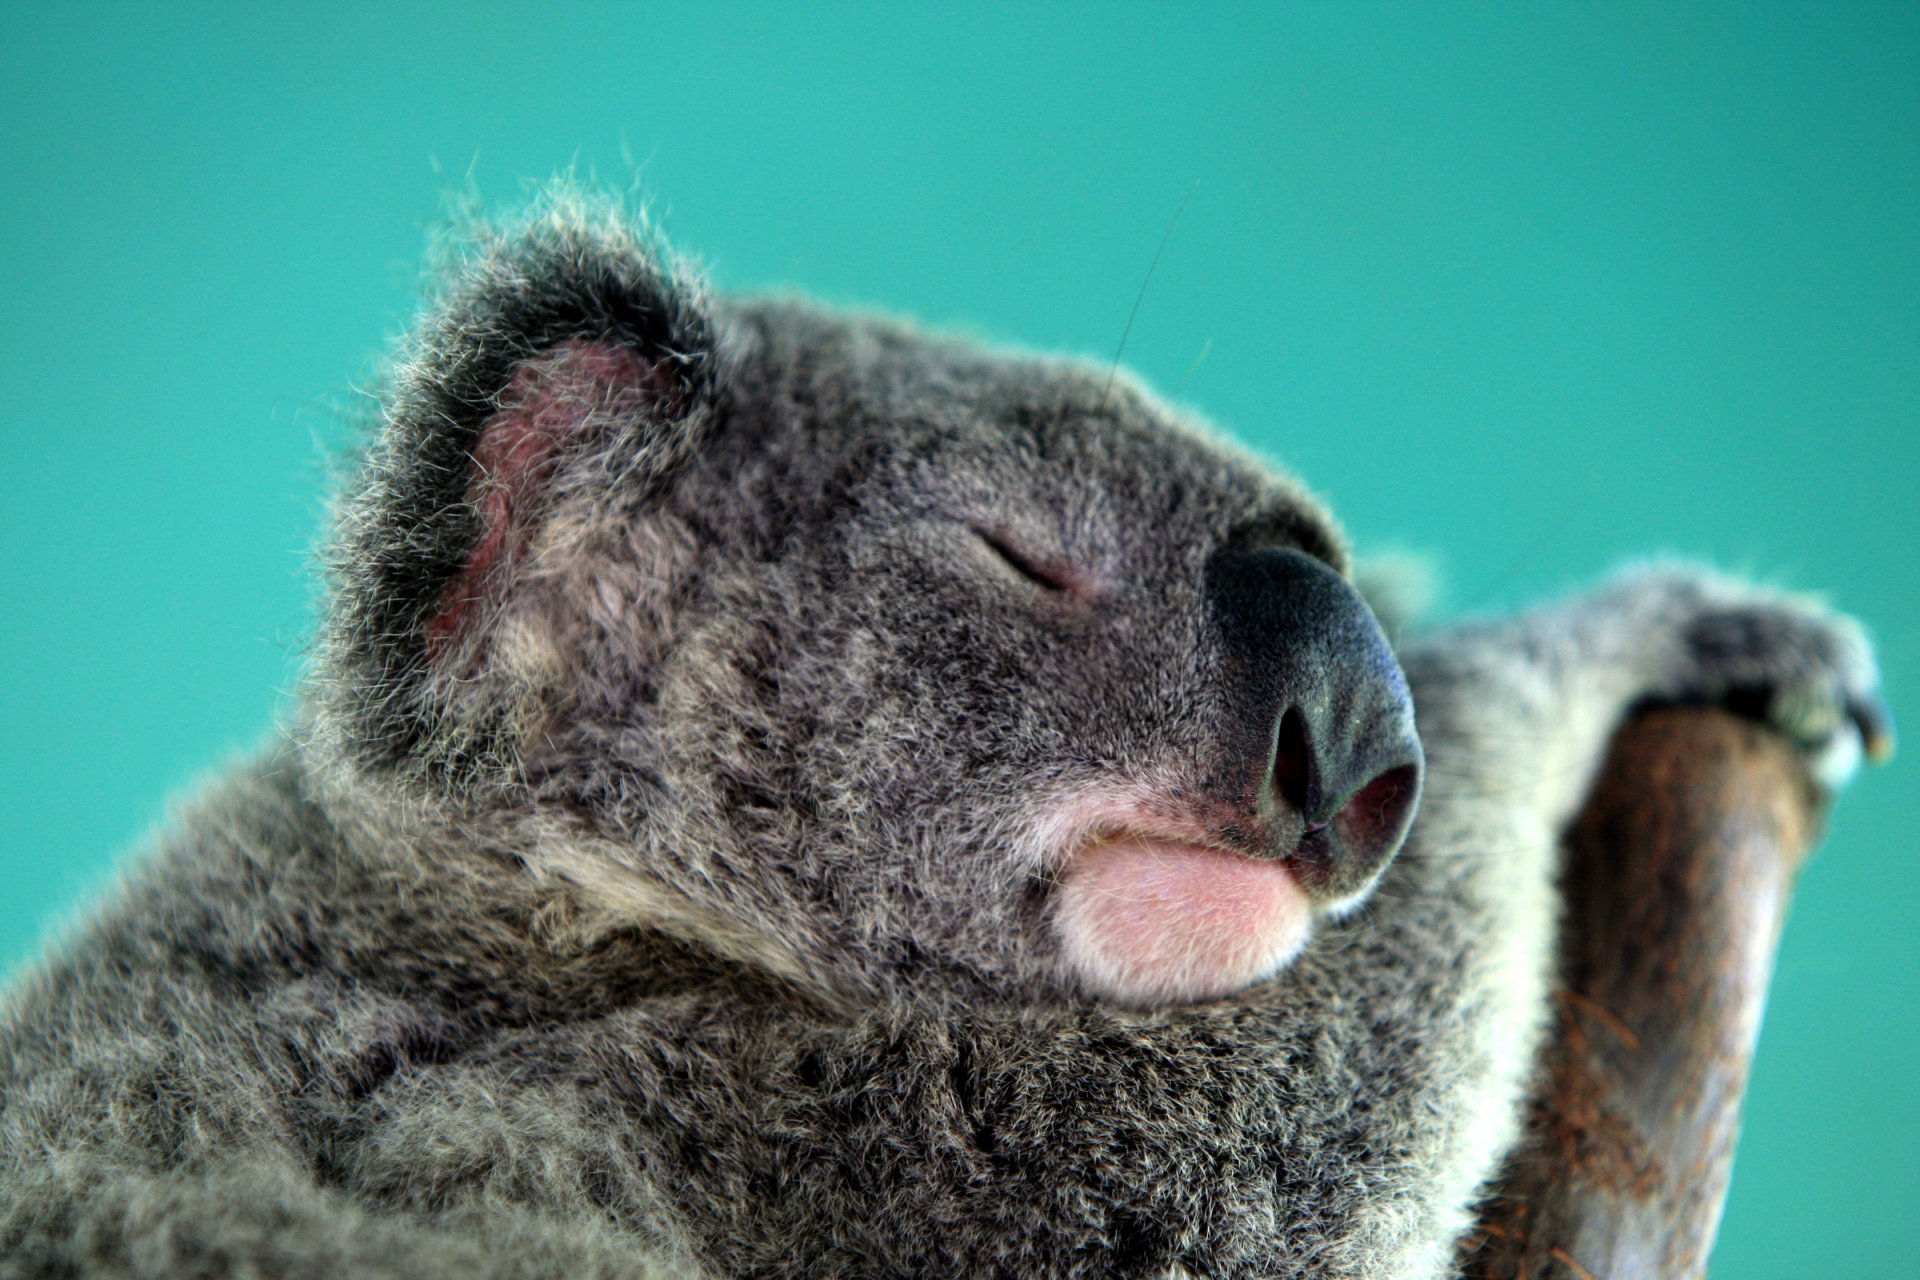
[{"x": 1151, "y": 922}]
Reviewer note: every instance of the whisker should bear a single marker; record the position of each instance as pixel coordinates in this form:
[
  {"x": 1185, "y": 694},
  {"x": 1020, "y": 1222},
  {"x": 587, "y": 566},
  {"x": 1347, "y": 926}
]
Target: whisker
[{"x": 1140, "y": 297}]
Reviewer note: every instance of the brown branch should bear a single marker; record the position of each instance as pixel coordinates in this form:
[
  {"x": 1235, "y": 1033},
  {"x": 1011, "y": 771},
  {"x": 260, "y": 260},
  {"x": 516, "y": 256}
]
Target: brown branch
[{"x": 1677, "y": 879}]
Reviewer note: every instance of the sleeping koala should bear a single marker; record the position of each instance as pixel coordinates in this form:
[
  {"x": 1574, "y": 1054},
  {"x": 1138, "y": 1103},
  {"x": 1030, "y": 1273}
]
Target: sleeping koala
[{"x": 781, "y": 794}]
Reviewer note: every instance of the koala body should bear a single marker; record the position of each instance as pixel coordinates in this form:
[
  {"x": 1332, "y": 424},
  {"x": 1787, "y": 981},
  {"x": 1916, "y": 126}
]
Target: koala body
[{"x": 785, "y": 795}]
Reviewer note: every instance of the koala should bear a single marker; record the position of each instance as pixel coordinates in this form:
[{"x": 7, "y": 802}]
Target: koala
[{"x": 783, "y": 794}]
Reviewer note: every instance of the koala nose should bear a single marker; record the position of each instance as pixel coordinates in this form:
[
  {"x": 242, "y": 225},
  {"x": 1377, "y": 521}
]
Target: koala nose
[{"x": 1320, "y": 721}]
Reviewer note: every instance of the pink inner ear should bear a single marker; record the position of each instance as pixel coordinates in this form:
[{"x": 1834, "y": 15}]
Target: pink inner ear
[{"x": 547, "y": 403}]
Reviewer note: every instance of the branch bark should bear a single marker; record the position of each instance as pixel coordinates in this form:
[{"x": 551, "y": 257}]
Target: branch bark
[{"x": 1677, "y": 880}]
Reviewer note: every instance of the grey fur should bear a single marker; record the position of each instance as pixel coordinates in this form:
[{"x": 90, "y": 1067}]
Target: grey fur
[{"x": 688, "y": 912}]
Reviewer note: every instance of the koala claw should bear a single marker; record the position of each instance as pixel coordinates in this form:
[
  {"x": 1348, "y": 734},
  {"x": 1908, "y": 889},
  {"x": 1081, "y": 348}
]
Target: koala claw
[
  {"x": 1866, "y": 734},
  {"x": 1875, "y": 722}
]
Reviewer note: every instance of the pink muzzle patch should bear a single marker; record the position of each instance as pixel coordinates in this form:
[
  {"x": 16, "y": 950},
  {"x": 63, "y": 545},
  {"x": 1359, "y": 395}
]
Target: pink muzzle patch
[{"x": 1147, "y": 921}]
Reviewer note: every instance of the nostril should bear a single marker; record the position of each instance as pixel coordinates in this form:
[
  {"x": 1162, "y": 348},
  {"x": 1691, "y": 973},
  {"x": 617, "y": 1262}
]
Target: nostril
[
  {"x": 1372, "y": 822},
  {"x": 1294, "y": 777}
]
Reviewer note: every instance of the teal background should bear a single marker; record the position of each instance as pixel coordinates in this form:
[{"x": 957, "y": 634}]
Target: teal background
[{"x": 1532, "y": 288}]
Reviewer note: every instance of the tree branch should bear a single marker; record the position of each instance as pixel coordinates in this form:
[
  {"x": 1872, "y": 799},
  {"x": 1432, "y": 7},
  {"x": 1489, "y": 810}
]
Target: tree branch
[{"x": 1677, "y": 879}]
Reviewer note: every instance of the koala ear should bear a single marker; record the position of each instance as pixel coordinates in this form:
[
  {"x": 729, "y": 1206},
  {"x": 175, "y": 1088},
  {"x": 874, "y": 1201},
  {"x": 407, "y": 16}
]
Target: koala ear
[
  {"x": 571, "y": 342},
  {"x": 570, "y": 397}
]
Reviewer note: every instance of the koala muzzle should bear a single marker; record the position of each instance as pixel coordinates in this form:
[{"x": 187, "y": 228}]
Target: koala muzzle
[{"x": 1322, "y": 757}]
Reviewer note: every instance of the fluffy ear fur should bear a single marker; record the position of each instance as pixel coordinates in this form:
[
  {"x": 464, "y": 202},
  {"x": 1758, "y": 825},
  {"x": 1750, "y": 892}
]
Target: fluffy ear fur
[{"x": 566, "y": 349}]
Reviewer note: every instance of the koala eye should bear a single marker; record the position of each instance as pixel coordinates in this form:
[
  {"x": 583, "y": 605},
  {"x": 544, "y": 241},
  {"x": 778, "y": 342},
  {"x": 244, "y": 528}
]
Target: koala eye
[{"x": 1041, "y": 575}]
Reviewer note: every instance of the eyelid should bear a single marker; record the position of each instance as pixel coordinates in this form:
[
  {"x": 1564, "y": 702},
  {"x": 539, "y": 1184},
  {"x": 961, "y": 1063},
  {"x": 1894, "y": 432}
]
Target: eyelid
[{"x": 1041, "y": 574}]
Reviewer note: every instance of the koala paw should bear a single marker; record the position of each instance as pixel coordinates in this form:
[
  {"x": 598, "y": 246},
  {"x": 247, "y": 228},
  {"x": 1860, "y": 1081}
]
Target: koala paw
[{"x": 1784, "y": 660}]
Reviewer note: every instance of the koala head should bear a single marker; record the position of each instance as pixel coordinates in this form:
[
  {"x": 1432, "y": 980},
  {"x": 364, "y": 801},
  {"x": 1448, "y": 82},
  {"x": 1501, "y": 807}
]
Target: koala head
[{"x": 911, "y": 665}]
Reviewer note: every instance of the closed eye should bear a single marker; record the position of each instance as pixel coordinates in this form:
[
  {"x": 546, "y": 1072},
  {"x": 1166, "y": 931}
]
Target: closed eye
[{"x": 1041, "y": 575}]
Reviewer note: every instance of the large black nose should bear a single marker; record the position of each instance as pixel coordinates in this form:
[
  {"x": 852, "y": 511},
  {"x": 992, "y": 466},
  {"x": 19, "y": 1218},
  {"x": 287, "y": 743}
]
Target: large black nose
[{"x": 1320, "y": 722}]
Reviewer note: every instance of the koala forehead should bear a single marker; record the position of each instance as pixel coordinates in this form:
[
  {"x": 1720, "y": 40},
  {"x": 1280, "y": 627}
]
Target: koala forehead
[{"x": 836, "y": 420}]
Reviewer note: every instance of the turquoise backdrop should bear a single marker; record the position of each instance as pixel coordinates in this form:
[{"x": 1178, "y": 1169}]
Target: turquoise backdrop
[{"x": 1532, "y": 288}]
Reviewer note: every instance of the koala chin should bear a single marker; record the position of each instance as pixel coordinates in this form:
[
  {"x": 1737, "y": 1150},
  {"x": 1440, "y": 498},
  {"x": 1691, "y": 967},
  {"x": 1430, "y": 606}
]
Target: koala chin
[{"x": 780, "y": 793}]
